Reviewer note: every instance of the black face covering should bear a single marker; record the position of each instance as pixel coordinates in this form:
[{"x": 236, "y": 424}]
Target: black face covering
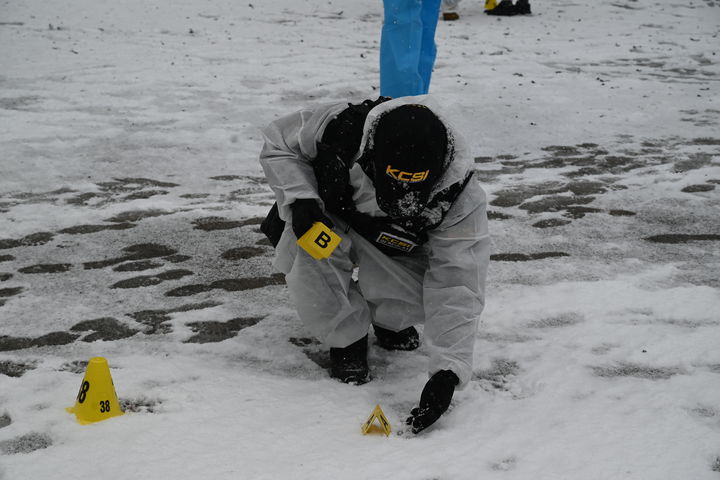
[{"x": 409, "y": 149}]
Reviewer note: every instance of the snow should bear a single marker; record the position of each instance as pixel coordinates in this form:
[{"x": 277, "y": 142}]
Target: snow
[{"x": 597, "y": 356}]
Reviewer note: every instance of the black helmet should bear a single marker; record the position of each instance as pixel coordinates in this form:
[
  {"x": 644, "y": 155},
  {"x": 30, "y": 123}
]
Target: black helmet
[{"x": 408, "y": 154}]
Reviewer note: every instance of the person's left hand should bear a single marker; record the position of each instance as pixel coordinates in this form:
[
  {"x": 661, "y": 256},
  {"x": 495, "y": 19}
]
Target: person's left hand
[
  {"x": 305, "y": 212},
  {"x": 434, "y": 400}
]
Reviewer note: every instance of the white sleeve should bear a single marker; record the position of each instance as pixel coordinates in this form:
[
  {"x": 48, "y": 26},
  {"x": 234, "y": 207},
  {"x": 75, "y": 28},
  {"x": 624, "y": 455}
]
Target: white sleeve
[
  {"x": 290, "y": 145},
  {"x": 454, "y": 288}
]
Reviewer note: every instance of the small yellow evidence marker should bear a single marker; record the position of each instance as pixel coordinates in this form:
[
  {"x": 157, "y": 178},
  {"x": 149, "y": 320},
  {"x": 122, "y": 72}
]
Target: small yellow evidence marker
[
  {"x": 319, "y": 241},
  {"x": 377, "y": 414}
]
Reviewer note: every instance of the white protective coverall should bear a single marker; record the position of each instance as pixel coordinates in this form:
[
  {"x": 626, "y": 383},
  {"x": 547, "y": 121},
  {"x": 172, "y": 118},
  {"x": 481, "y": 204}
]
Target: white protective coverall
[{"x": 440, "y": 285}]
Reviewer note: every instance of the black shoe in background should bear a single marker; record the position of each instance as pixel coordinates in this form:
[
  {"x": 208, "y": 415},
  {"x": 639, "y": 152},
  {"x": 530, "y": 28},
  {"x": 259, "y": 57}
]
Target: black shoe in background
[
  {"x": 406, "y": 339},
  {"x": 349, "y": 364},
  {"x": 504, "y": 8},
  {"x": 522, "y": 7}
]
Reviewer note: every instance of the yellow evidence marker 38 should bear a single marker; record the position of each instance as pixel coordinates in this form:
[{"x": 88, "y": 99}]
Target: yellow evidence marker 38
[
  {"x": 319, "y": 241},
  {"x": 96, "y": 399}
]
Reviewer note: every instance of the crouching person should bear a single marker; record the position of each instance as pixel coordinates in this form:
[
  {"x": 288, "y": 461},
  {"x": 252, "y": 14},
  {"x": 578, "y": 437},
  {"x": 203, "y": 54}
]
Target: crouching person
[{"x": 393, "y": 179}]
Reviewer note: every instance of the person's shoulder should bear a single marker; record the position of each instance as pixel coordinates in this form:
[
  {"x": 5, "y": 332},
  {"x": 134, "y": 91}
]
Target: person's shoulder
[{"x": 470, "y": 201}]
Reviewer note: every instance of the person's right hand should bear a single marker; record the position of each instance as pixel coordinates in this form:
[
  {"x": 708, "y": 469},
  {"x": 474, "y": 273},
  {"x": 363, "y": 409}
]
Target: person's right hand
[
  {"x": 305, "y": 212},
  {"x": 434, "y": 400}
]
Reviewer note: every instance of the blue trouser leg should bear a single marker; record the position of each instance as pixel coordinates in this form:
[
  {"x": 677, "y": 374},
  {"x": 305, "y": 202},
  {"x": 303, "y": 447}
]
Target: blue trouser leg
[
  {"x": 400, "y": 48},
  {"x": 429, "y": 17}
]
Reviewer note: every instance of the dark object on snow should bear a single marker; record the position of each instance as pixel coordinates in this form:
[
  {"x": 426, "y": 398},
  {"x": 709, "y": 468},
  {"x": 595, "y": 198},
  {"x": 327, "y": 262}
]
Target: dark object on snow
[
  {"x": 406, "y": 339},
  {"x": 507, "y": 9},
  {"x": 504, "y": 8},
  {"x": 349, "y": 364},
  {"x": 522, "y": 7},
  {"x": 434, "y": 400}
]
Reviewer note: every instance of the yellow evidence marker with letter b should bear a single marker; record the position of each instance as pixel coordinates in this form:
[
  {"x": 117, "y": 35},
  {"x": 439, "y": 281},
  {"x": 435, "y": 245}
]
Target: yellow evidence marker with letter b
[{"x": 319, "y": 241}]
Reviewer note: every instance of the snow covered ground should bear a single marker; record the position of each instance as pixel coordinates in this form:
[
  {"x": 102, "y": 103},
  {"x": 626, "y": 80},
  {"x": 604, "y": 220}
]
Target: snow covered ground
[{"x": 130, "y": 196}]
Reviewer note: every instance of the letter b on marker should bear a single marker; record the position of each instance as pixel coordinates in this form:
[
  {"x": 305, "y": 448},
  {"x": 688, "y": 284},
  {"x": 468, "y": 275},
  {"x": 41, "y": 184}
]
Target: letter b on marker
[
  {"x": 319, "y": 241},
  {"x": 323, "y": 240}
]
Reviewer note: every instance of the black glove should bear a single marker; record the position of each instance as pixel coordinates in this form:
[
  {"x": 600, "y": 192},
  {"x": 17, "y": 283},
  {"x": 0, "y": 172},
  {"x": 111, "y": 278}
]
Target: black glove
[
  {"x": 305, "y": 212},
  {"x": 434, "y": 400}
]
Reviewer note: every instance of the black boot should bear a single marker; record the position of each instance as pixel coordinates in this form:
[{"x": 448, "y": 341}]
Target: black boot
[
  {"x": 504, "y": 8},
  {"x": 522, "y": 7},
  {"x": 406, "y": 339},
  {"x": 349, "y": 364}
]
